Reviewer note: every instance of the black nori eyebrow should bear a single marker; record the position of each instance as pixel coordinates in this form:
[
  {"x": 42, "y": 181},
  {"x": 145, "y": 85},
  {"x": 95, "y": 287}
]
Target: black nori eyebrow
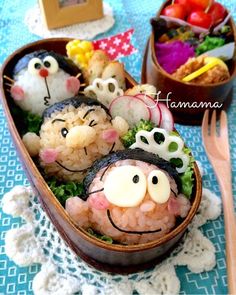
[
  {"x": 91, "y": 124},
  {"x": 59, "y": 120},
  {"x": 105, "y": 171},
  {"x": 88, "y": 111},
  {"x": 113, "y": 145},
  {"x": 129, "y": 231},
  {"x": 97, "y": 191}
]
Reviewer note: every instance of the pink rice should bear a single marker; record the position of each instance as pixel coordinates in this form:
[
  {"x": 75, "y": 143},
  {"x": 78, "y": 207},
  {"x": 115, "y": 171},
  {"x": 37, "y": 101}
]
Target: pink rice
[{"x": 147, "y": 216}]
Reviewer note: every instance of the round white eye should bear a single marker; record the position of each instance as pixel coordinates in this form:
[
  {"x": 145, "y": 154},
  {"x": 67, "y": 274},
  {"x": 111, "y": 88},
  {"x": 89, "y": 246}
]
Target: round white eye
[
  {"x": 158, "y": 186},
  {"x": 34, "y": 65},
  {"x": 51, "y": 64},
  {"x": 125, "y": 186}
]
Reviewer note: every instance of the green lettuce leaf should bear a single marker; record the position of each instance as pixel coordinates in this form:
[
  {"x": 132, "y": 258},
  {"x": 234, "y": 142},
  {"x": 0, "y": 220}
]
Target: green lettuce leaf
[{"x": 63, "y": 191}]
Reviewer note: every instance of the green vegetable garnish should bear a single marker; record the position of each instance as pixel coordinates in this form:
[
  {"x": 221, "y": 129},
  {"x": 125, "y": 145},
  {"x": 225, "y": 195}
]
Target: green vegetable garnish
[
  {"x": 33, "y": 122},
  {"x": 129, "y": 138},
  {"x": 104, "y": 238},
  {"x": 187, "y": 181},
  {"x": 26, "y": 121},
  {"x": 186, "y": 178},
  {"x": 63, "y": 191},
  {"x": 209, "y": 43},
  {"x": 225, "y": 29}
]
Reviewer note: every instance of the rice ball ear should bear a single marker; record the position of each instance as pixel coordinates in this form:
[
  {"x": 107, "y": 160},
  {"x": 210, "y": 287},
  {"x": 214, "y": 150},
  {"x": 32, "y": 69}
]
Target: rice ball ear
[
  {"x": 32, "y": 143},
  {"x": 120, "y": 125}
]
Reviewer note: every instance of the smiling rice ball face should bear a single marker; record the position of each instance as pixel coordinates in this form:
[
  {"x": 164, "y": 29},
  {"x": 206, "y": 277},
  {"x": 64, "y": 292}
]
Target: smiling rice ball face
[
  {"x": 43, "y": 78},
  {"x": 132, "y": 196},
  {"x": 74, "y": 134}
]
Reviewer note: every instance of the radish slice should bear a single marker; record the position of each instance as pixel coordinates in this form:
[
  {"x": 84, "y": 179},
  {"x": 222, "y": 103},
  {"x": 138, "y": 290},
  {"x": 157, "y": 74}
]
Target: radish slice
[
  {"x": 153, "y": 107},
  {"x": 130, "y": 108},
  {"x": 167, "y": 121}
]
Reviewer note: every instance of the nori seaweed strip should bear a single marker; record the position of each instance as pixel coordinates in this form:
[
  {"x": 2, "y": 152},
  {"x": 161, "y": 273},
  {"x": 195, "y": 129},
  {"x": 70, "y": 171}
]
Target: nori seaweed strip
[
  {"x": 96, "y": 191},
  {"x": 129, "y": 231},
  {"x": 64, "y": 63},
  {"x": 70, "y": 170},
  {"x": 76, "y": 101},
  {"x": 88, "y": 111}
]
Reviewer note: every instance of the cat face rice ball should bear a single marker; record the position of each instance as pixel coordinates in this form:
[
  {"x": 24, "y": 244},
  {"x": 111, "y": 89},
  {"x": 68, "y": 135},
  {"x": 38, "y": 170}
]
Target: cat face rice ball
[
  {"x": 131, "y": 196},
  {"x": 42, "y": 78},
  {"x": 73, "y": 135}
]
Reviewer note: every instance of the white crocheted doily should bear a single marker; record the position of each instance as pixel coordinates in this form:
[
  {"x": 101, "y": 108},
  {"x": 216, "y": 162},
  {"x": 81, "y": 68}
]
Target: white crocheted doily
[
  {"x": 87, "y": 30},
  {"x": 63, "y": 273}
]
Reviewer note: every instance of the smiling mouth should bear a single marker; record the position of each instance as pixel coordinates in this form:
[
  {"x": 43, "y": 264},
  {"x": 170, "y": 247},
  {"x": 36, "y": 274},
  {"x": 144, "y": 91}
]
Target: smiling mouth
[
  {"x": 70, "y": 170},
  {"x": 129, "y": 231}
]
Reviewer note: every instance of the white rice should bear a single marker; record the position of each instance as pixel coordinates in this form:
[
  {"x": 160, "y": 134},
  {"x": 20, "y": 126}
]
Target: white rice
[{"x": 35, "y": 90}]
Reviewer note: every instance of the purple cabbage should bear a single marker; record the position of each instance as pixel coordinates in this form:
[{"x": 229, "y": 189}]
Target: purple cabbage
[{"x": 173, "y": 55}]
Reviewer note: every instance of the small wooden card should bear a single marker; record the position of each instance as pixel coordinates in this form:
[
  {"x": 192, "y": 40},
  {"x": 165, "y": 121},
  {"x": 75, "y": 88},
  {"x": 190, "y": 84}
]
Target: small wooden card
[{"x": 61, "y": 13}]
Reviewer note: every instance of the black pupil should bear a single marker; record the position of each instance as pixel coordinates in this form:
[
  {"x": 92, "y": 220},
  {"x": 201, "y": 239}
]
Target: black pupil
[
  {"x": 155, "y": 180},
  {"x": 37, "y": 66},
  {"x": 135, "y": 179},
  {"x": 64, "y": 132},
  {"x": 47, "y": 64}
]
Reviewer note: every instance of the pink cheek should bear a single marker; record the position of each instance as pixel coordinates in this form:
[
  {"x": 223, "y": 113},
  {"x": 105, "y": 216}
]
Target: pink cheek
[
  {"x": 73, "y": 85},
  {"x": 110, "y": 135},
  {"x": 98, "y": 201},
  {"x": 173, "y": 206},
  {"x": 48, "y": 156},
  {"x": 17, "y": 92}
]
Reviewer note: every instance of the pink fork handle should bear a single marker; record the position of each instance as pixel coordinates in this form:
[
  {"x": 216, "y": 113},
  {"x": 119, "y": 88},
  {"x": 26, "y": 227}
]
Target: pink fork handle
[{"x": 230, "y": 233}]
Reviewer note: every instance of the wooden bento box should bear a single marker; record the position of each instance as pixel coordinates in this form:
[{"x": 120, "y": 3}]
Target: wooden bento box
[
  {"x": 108, "y": 257},
  {"x": 221, "y": 93}
]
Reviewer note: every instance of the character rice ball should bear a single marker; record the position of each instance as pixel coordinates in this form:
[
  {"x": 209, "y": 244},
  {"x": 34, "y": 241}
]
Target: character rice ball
[
  {"x": 132, "y": 196},
  {"x": 74, "y": 134},
  {"x": 43, "y": 78}
]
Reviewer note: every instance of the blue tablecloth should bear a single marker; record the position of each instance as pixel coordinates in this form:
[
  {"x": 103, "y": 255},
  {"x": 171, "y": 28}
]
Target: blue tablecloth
[{"x": 136, "y": 14}]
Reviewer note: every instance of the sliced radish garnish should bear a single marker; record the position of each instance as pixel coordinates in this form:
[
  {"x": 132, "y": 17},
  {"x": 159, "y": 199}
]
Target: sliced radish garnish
[
  {"x": 131, "y": 108},
  {"x": 153, "y": 107},
  {"x": 167, "y": 120}
]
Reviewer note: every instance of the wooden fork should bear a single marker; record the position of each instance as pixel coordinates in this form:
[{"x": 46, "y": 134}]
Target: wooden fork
[{"x": 217, "y": 149}]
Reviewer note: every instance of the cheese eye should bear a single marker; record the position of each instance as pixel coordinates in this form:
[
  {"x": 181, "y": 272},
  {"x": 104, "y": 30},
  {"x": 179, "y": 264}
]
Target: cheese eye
[
  {"x": 34, "y": 66},
  {"x": 125, "y": 186},
  {"x": 51, "y": 64},
  {"x": 158, "y": 186}
]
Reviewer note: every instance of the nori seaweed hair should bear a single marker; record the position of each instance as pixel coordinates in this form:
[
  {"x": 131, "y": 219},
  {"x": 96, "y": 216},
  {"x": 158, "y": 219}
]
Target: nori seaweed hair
[
  {"x": 132, "y": 154},
  {"x": 76, "y": 101}
]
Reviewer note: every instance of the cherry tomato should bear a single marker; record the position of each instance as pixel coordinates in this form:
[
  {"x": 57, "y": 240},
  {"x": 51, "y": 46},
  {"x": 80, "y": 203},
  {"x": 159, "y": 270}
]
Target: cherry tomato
[
  {"x": 185, "y": 3},
  {"x": 200, "y": 19},
  {"x": 175, "y": 10},
  {"x": 199, "y": 4},
  {"x": 218, "y": 12}
]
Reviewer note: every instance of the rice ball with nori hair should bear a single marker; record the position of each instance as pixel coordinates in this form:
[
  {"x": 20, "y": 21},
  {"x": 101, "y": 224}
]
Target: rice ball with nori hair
[
  {"x": 131, "y": 196},
  {"x": 74, "y": 134}
]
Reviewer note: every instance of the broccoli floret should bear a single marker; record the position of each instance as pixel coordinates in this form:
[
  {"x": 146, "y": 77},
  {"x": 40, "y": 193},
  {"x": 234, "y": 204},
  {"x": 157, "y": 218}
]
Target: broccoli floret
[
  {"x": 209, "y": 44},
  {"x": 129, "y": 138}
]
